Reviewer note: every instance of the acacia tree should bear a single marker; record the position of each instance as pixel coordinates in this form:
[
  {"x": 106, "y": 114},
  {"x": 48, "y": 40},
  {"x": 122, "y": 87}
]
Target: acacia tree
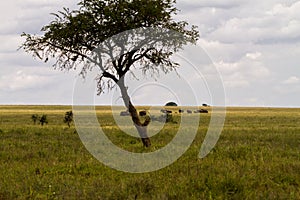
[{"x": 72, "y": 37}]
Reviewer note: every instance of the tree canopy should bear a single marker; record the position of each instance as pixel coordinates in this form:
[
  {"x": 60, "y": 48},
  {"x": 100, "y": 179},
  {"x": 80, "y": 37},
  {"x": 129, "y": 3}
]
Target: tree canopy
[
  {"x": 73, "y": 35},
  {"x": 171, "y": 104}
]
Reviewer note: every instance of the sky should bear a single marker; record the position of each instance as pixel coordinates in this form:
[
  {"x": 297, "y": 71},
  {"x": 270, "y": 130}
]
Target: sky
[{"x": 254, "y": 45}]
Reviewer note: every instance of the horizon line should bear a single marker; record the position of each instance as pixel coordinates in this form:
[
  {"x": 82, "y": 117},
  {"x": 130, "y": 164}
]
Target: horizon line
[{"x": 227, "y": 106}]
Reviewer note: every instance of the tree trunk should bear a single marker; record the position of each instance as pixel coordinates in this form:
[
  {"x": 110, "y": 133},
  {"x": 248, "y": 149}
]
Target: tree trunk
[{"x": 140, "y": 127}]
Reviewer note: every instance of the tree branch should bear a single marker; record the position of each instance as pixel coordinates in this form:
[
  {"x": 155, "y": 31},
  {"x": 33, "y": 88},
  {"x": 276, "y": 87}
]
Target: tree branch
[{"x": 109, "y": 75}]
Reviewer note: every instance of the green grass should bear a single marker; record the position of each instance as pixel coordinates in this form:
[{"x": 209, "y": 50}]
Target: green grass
[{"x": 257, "y": 157}]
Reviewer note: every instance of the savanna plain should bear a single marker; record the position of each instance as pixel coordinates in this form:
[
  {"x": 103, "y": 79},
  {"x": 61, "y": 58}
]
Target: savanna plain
[{"x": 257, "y": 157}]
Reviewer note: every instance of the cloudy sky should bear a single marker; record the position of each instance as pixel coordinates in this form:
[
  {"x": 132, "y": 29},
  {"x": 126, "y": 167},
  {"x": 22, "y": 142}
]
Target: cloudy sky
[{"x": 255, "y": 45}]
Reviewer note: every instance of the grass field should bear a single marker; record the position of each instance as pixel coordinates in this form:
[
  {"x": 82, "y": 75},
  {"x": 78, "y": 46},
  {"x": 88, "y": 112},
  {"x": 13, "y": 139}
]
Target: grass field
[{"x": 256, "y": 157}]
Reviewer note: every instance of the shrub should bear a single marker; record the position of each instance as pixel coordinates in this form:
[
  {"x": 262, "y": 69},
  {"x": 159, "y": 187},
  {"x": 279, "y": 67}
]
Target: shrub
[
  {"x": 34, "y": 118},
  {"x": 43, "y": 120},
  {"x": 68, "y": 118}
]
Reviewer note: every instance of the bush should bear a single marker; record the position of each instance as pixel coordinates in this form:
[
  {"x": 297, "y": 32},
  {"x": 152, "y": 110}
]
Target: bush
[
  {"x": 43, "y": 120},
  {"x": 34, "y": 118},
  {"x": 68, "y": 118}
]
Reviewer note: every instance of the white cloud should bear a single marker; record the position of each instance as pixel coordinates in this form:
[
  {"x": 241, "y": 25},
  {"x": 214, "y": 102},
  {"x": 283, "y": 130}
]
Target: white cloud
[
  {"x": 35, "y": 85},
  {"x": 228, "y": 68},
  {"x": 22, "y": 80},
  {"x": 17, "y": 16},
  {"x": 243, "y": 72},
  {"x": 192, "y": 4},
  {"x": 284, "y": 9},
  {"x": 253, "y": 56},
  {"x": 280, "y": 24},
  {"x": 43, "y": 3},
  {"x": 292, "y": 80},
  {"x": 235, "y": 81},
  {"x": 10, "y": 43}
]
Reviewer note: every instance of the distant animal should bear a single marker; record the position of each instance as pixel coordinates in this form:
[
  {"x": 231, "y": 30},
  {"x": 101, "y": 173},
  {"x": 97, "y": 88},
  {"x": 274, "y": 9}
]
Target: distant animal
[
  {"x": 166, "y": 111},
  {"x": 124, "y": 113},
  {"x": 143, "y": 113},
  {"x": 189, "y": 111},
  {"x": 181, "y": 111},
  {"x": 163, "y": 110},
  {"x": 201, "y": 111}
]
